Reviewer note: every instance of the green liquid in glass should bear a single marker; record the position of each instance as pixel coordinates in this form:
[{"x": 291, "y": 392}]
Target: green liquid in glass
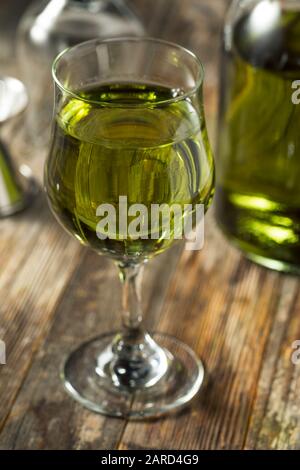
[{"x": 114, "y": 147}]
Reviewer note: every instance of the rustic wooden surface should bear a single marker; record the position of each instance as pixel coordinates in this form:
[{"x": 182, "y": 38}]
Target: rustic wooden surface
[{"x": 241, "y": 319}]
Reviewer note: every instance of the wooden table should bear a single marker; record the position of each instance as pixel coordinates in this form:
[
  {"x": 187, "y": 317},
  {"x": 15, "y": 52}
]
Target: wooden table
[{"x": 240, "y": 318}]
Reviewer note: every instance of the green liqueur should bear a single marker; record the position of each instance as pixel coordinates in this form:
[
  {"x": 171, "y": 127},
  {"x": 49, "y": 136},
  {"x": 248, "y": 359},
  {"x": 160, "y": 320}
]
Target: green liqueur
[
  {"x": 127, "y": 139},
  {"x": 258, "y": 195}
]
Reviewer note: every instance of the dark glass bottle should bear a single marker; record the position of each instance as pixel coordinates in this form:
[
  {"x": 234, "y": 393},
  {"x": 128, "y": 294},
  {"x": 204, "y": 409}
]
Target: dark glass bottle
[{"x": 258, "y": 169}]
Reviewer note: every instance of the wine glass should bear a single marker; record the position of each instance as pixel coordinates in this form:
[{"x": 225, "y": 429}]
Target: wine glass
[{"x": 129, "y": 139}]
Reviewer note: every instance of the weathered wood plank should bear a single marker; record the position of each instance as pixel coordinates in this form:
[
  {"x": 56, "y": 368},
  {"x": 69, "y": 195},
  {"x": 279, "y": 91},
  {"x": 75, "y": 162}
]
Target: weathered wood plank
[
  {"x": 275, "y": 420},
  {"x": 90, "y": 305},
  {"x": 223, "y": 306},
  {"x": 42, "y": 406},
  {"x": 37, "y": 259}
]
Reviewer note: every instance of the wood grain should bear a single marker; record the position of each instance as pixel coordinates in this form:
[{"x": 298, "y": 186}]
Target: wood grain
[
  {"x": 37, "y": 260},
  {"x": 241, "y": 319},
  {"x": 221, "y": 313},
  {"x": 275, "y": 420},
  {"x": 88, "y": 307}
]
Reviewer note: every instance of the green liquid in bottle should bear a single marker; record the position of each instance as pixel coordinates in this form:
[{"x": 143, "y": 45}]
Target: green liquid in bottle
[{"x": 258, "y": 191}]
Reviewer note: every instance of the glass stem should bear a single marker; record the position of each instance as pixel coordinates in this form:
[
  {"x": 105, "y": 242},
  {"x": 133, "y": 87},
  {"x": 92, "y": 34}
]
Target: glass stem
[
  {"x": 132, "y": 314},
  {"x": 138, "y": 362}
]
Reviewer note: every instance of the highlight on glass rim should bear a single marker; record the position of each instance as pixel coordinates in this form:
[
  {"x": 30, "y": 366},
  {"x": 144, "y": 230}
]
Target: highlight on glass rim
[{"x": 150, "y": 230}]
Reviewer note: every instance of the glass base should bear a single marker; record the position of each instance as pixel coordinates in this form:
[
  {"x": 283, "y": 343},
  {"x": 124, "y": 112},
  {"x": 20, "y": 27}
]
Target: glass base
[
  {"x": 265, "y": 261},
  {"x": 273, "y": 264},
  {"x": 87, "y": 376}
]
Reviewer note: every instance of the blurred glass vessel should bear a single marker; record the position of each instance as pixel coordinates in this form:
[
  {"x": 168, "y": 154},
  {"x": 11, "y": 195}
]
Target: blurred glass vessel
[
  {"x": 17, "y": 188},
  {"x": 50, "y": 26},
  {"x": 258, "y": 191}
]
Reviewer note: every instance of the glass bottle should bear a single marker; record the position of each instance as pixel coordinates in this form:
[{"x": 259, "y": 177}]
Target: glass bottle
[
  {"x": 258, "y": 169},
  {"x": 50, "y": 26}
]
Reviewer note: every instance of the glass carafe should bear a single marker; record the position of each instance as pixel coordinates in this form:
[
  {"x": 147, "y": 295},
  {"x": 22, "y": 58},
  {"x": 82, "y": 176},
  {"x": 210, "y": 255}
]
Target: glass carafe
[
  {"x": 258, "y": 191},
  {"x": 50, "y": 26}
]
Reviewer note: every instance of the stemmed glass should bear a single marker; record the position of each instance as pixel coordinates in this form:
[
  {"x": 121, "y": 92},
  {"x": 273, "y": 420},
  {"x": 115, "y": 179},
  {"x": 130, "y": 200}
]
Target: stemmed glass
[{"x": 129, "y": 166}]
